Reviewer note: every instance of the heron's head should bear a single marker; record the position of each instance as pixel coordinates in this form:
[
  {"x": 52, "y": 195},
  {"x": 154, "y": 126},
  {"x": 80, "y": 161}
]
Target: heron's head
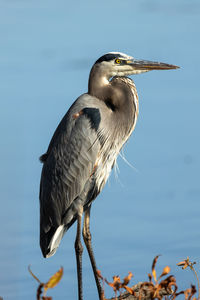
[{"x": 120, "y": 64}]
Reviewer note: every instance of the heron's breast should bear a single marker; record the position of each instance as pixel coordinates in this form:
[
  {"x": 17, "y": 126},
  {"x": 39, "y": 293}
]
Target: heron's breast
[{"x": 104, "y": 165}]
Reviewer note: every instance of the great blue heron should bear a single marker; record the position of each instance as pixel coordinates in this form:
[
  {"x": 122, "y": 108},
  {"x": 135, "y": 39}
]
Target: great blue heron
[{"x": 84, "y": 149}]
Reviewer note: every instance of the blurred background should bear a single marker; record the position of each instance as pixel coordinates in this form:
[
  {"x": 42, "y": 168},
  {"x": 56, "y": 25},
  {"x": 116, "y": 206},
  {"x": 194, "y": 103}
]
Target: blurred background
[{"x": 46, "y": 51}]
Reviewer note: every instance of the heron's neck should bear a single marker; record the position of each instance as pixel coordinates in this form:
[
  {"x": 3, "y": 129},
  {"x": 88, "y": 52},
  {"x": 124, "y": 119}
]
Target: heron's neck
[{"x": 97, "y": 83}]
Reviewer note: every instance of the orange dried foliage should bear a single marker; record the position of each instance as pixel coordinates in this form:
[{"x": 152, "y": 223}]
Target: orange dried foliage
[
  {"x": 186, "y": 263},
  {"x": 156, "y": 289},
  {"x": 116, "y": 284},
  {"x": 153, "y": 268},
  {"x": 154, "y": 262},
  {"x": 127, "y": 279},
  {"x": 54, "y": 280},
  {"x": 189, "y": 293},
  {"x": 165, "y": 271},
  {"x": 43, "y": 287}
]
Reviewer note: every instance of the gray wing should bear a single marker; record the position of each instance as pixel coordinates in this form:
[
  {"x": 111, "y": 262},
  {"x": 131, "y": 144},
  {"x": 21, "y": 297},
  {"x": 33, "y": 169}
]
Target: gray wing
[{"x": 68, "y": 163}]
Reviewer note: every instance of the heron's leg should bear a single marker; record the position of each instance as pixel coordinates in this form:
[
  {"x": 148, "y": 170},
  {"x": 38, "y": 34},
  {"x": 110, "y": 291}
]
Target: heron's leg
[
  {"x": 79, "y": 251},
  {"x": 87, "y": 240}
]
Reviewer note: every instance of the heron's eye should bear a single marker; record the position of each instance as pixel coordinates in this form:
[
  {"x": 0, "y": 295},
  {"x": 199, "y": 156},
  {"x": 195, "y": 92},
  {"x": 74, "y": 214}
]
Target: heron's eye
[{"x": 118, "y": 61}]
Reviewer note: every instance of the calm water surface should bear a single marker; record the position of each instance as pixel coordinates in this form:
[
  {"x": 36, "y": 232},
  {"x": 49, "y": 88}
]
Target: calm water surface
[{"x": 46, "y": 51}]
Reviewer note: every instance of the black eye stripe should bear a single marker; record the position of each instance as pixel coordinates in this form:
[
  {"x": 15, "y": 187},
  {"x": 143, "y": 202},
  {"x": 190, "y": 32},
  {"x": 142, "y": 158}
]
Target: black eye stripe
[{"x": 108, "y": 57}]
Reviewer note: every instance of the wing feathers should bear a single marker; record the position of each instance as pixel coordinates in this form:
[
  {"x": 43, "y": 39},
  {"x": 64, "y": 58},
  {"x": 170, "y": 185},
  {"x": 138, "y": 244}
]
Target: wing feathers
[{"x": 68, "y": 165}]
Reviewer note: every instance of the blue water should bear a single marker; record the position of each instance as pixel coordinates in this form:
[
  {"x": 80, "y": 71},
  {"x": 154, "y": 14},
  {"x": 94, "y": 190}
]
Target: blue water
[{"x": 46, "y": 51}]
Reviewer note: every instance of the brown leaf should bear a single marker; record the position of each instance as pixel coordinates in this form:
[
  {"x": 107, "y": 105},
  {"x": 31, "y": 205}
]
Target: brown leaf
[
  {"x": 181, "y": 263},
  {"x": 127, "y": 279},
  {"x": 153, "y": 267},
  {"x": 186, "y": 263},
  {"x": 54, "y": 280},
  {"x": 154, "y": 262},
  {"x": 116, "y": 284},
  {"x": 165, "y": 271},
  {"x": 154, "y": 275}
]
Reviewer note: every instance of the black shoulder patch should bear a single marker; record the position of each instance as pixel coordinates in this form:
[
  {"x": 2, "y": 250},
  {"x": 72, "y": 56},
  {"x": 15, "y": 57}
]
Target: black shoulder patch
[
  {"x": 43, "y": 157},
  {"x": 93, "y": 114}
]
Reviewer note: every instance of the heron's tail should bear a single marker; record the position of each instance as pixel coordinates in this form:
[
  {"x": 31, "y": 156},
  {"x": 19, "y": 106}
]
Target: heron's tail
[{"x": 50, "y": 240}]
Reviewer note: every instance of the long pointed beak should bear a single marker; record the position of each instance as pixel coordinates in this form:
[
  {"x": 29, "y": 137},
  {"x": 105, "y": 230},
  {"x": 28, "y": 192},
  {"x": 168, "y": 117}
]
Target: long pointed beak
[{"x": 146, "y": 65}]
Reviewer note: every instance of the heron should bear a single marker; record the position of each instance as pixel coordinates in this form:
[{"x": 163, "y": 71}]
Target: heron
[{"x": 83, "y": 151}]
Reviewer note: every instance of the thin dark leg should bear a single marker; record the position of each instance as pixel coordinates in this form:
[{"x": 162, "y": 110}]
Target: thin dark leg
[
  {"x": 87, "y": 240},
  {"x": 79, "y": 251}
]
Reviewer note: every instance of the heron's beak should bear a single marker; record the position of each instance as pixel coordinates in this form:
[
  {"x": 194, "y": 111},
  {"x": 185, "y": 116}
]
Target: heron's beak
[{"x": 145, "y": 65}]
